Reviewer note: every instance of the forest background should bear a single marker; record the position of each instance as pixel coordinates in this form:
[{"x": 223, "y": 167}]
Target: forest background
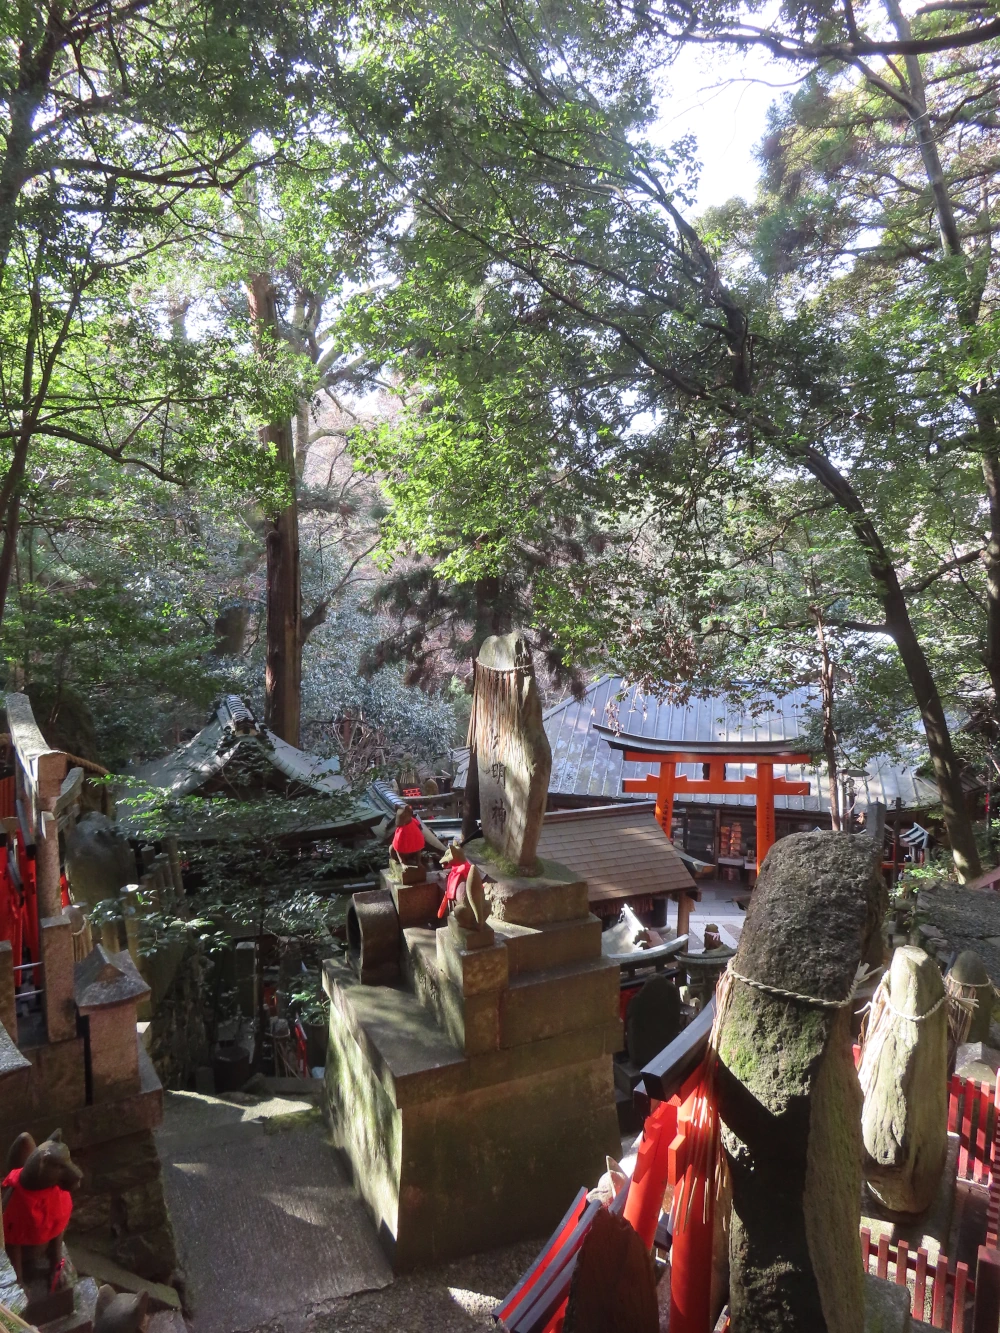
[{"x": 335, "y": 338}]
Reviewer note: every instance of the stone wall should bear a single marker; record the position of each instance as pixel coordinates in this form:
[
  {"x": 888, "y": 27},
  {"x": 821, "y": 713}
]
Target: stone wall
[
  {"x": 120, "y": 1210},
  {"x": 177, "y": 1040}
]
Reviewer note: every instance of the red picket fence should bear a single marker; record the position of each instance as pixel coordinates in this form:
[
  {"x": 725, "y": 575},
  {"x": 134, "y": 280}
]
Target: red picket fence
[
  {"x": 932, "y": 1285},
  {"x": 972, "y": 1116}
]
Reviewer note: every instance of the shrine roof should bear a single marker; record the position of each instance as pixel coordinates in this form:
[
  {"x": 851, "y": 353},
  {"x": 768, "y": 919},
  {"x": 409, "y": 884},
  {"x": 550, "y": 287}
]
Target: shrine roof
[
  {"x": 620, "y": 850},
  {"x": 624, "y": 740},
  {"x": 585, "y": 765}
]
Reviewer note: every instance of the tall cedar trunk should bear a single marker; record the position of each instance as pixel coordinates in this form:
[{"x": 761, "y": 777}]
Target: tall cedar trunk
[
  {"x": 283, "y": 676},
  {"x": 829, "y": 733},
  {"x": 947, "y": 770}
]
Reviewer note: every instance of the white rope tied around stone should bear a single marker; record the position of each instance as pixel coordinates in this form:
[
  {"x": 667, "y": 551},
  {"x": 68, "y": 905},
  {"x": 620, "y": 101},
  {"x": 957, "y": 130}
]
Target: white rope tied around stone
[
  {"x": 916, "y": 1018},
  {"x": 860, "y": 977}
]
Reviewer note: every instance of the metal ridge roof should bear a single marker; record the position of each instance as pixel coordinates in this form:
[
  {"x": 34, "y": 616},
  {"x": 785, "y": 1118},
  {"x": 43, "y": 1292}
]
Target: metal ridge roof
[{"x": 585, "y": 764}]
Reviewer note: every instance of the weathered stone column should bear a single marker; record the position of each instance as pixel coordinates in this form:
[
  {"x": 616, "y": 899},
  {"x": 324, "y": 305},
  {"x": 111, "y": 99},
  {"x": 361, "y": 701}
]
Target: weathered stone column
[
  {"x": 788, "y": 1093},
  {"x": 904, "y": 1079}
]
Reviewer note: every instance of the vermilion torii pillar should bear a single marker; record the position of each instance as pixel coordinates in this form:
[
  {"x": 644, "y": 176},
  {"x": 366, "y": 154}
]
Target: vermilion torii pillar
[{"x": 713, "y": 755}]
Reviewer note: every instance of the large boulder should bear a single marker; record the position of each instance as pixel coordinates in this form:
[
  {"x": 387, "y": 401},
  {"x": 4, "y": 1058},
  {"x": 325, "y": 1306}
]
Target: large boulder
[
  {"x": 788, "y": 1092},
  {"x": 904, "y": 1080}
]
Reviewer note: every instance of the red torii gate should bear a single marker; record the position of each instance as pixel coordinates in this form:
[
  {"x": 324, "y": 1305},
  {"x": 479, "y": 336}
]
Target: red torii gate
[{"x": 713, "y": 757}]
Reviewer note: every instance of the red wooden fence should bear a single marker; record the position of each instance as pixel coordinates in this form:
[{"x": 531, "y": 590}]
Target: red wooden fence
[
  {"x": 972, "y": 1116},
  {"x": 935, "y": 1287}
]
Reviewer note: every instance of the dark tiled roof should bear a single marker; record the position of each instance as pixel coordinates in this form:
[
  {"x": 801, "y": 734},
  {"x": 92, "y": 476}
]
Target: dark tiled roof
[{"x": 621, "y": 852}]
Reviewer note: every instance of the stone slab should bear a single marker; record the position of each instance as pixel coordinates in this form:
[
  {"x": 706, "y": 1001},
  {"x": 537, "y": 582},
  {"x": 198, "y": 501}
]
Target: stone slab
[
  {"x": 978, "y": 1061},
  {"x": 887, "y": 1307},
  {"x": 105, "y": 1270},
  {"x": 555, "y": 894},
  {"x": 550, "y": 944},
  {"x": 560, "y": 999},
  {"x": 267, "y": 1224},
  {"x": 473, "y": 971}
]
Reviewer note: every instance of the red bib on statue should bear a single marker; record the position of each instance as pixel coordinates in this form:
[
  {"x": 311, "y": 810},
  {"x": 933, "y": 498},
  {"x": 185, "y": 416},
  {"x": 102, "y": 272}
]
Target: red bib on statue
[
  {"x": 408, "y": 838},
  {"x": 34, "y": 1217}
]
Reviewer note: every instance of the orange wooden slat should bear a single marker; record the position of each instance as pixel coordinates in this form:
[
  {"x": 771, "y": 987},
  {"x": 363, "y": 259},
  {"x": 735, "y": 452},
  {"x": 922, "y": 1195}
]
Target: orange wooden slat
[
  {"x": 965, "y": 1138},
  {"x": 982, "y": 1135},
  {"x": 866, "y": 1247}
]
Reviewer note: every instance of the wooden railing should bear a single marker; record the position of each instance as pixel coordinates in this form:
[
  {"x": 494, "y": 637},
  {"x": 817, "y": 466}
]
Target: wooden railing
[{"x": 936, "y": 1287}]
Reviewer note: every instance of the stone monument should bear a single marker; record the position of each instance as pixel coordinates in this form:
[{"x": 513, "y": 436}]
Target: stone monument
[
  {"x": 970, "y": 994},
  {"x": 788, "y": 1094},
  {"x": 473, "y": 1098},
  {"x": 509, "y": 747},
  {"x": 904, "y": 1079}
]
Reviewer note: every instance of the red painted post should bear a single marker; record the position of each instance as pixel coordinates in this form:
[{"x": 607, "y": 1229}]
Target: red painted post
[
  {"x": 919, "y": 1308},
  {"x": 902, "y": 1262},
  {"x": 691, "y": 1248},
  {"x": 958, "y": 1300},
  {"x": 965, "y": 1142},
  {"x": 882, "y": 1270},
  {"x": 954, "y": 1096},
  {"x": 982, "y": 1133},
  {"x": 986, "y": 1300},
  {"x": 866, "y": 1247},
  {"x": 649, "y": 1179},
  {"x": 765, "y": 810},
  {"x": 940, "y": 1292}
]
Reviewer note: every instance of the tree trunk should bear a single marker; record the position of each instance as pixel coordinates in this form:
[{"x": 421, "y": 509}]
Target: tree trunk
[
  {"x": 283, "y": 674},
  {"x": 899, "y": 626},
  {"x": 829, "y": 734}
]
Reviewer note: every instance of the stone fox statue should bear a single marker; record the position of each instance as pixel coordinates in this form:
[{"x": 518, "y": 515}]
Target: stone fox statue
[
  {"x": 465, "y": 891},
  {"x": 120, "y": 1313},
  {"x": 37, "y": 1204}
]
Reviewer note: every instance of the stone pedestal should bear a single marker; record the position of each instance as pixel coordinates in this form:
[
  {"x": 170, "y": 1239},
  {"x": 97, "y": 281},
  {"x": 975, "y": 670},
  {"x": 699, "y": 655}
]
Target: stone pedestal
[{"x": 475, "y": 1099}]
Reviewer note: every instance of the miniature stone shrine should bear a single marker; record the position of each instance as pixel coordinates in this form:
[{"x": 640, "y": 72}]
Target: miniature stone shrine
[
  {"x": 788, "y": 1094},
  {"x": 474, "y": 1096},
  {"x": 904, "y": 1079}
]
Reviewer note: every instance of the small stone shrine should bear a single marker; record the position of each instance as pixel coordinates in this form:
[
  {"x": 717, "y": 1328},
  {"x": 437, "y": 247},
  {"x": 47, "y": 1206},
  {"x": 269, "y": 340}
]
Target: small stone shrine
[
  {"x": 788, "y": 1094},
  {"x": 474, "y": 1094}
]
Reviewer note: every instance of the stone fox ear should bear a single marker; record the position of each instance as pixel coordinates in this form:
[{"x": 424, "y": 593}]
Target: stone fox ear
[{"x": 20, "y": 1150}]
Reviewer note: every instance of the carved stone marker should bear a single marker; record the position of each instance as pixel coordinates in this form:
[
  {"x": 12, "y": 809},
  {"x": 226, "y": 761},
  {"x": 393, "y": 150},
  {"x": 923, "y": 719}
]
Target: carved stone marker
[
  {"x": 788, "y": 1094},
  {"x": 904, "y": 1079},
  {"x": 969, "y": 980},
  {"x": 510, "y": 750}
]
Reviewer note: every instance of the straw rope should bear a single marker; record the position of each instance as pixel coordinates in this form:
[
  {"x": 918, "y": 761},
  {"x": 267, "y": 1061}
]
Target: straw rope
[{"x": 860, "y": 977}]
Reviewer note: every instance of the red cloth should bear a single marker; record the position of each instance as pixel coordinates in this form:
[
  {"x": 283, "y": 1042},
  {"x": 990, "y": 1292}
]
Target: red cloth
[
  {"x": 456, "y": 878},
  {"x": 408, "y": 838},
  {"x": 34, "y": 1217}
]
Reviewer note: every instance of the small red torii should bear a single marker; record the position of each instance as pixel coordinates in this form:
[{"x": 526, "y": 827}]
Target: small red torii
[{"x": 713, "y": 755}]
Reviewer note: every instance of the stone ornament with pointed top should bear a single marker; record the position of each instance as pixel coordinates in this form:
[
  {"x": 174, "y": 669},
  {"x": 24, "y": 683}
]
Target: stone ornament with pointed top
[
  {"x": 510, "y": 749},
  {"x": 104, "y": 979}
]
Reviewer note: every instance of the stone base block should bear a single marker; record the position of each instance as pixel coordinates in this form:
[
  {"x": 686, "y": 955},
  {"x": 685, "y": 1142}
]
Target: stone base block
[
  {"x": 416, "y": 904},
  {"x": 470, "y": 1022},
  {"x": 559, "y": 999},
  {"x": 467, "y": 939},
  {"x": 550, "y": 944},
  {"x": 476, "y": 970},
  {"x": 555, "y": 894},
  {"x": 454, "y": 1155}
]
